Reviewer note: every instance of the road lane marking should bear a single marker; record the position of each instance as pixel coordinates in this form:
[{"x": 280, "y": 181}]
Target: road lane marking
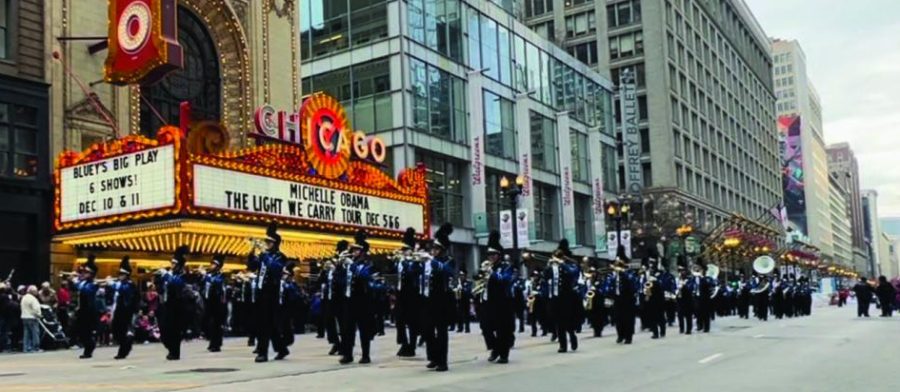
[
  {"x": 758, "y": 336},
  {"x": 709, "y": 358}
]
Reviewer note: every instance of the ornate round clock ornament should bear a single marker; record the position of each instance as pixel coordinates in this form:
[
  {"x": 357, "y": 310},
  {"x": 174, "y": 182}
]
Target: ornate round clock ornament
[{"x": 134, "y": 27}]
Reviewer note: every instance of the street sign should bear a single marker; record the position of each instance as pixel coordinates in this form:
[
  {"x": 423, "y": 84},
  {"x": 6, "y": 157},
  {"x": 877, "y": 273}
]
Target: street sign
[{"x": 691, "y": 245}]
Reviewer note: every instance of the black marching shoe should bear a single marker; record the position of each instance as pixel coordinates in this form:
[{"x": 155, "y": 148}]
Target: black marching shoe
[
  {"x": 628, "y": 341},
  {"x": 620, "y": 340},
  {"x": 346, "y": 360},
  {"x": 84, "y": 356},
  {"x": 655, "y": 336},
  {"x": 118, "y": 357},
  {"x": 214, "y": 349},
  {"x": 503, "y": 360},
  {"x": 282, "y": 355},
  {"x": 574, "y": 344},
  {"x": 171, "y": 357},
  {"x": 261, "y": 359},
  {"x": 334, "y": 350},
  {"x": 365, "y": 360},
  {"x": 441, "y": 368},
  {"x": 562, "y": 350},
  {"x": 493, "y": 357},
  {"x": 431, "y": 365}
]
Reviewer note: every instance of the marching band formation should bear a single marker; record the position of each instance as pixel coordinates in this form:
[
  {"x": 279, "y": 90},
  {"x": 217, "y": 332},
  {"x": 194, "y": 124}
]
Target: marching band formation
[{"x": 433, "y": 298}]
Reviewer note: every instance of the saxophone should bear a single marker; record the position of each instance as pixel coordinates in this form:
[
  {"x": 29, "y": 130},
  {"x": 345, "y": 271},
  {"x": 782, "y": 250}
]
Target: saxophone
[
  {"x": 648, "y": 289},
  {"x": 481, "y": 282}
]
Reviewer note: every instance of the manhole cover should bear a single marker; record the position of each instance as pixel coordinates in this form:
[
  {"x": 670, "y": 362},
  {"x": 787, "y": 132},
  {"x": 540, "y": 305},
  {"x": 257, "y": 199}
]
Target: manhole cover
[
  {"x": 204, "y": 370},
  {"x": 11, "y": 374}
]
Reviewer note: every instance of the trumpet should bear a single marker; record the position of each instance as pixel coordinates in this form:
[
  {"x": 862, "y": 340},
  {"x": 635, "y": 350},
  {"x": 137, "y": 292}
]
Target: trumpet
[
  {"x": 256, "y": 244},
  {"x": 589, "y": 300}
]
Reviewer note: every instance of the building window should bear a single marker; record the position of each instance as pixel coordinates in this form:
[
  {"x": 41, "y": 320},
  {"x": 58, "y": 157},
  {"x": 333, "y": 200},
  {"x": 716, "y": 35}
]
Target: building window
[
  {"x": 546, "y": 30},
  {"x": 647, "y": 173},
  {"x": 637, "y": 70},
  {"x": 545, "y": 211},
  {"x": 581, "y": 24},
  {"x": 18, "y": 141},
  {"x": 585, "y": 52},
  {"x": 581, "y": 162},
  {"x": 444, "y": 178},
  {"x": 623, "y": 14},
  {"x": 575, "y": 3},
  {"x": 435, "y": 24},
  {"x": 626, "y": 45},
  {"x": 198, "y": 82},
  {"x": 439, "y": 103},
  {"x": 538, "y": 7},
  {"x": 543, "y": 143},
  {"x": 499, "y": 126},
  {"x": 364, "y": 89},
  {"x": 5, "y": 21},
  {"x": 584, "y": 234},
  {"x": 327, "y": 26},
  {"x": 610, "y": 165}
]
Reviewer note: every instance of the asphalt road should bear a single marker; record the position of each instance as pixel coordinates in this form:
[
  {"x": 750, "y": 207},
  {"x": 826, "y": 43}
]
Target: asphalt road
[{"x": 829, "y": 351}]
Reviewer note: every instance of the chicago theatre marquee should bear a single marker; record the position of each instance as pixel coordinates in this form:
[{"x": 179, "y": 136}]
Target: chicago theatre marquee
[{"x": 311, "y": 173}]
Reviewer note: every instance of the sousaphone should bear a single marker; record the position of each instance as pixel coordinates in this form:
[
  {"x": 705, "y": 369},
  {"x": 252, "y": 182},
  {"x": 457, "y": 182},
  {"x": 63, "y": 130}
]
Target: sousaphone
[{"x": 764, "y": 265}]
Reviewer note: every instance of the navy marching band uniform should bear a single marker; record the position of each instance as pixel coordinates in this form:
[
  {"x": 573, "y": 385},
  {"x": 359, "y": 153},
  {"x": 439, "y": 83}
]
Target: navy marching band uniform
[
  {"x": 562, "y": 278},
  {"x": 214, "y": 304},
  {"x": 290, "y": 300},
  {"x": 438, "y": 312},
  {"x": 625, "y": 286},
  {"x": 463, "y": 303},
  {"x": 268, "y": 266},
  {"x": 126, "y": 304},
  {"x": 688, "y": 288},
  {"x": 500, "y": 303},
  {"x": 355, "y": 279},
  {"x": 670, "y": 288},
  {"x": 86, "y": 316},
  {"x": 332, "y": 298},
  {"x": 409, "y": 296},
  {"x": 173, "y": 303}
]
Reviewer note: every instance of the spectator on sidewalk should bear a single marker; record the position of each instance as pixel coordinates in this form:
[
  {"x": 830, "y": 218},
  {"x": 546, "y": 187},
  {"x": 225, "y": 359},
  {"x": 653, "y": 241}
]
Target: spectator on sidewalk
[
  {"x": 31, "y": 313},
  {"x": 47, "y": 295},
  {"x": 6, "y": 320},
  {"x": 885, "y": 292},
  {"x": 864, "y": 294}
]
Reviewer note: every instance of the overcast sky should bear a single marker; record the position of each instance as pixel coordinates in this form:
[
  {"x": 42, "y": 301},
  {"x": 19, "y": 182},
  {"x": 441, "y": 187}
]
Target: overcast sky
[{"x": 853, "y": 58}]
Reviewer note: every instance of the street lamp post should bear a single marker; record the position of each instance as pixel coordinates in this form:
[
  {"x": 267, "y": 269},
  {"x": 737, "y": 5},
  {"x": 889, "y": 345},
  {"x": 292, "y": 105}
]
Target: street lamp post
[
  {"x": 513, "y": 191},
  {"x": 618, "y": 211}
]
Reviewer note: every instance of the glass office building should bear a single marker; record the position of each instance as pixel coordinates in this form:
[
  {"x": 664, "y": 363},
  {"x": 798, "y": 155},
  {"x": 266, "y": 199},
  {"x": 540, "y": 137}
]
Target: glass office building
[{"x": 466, "y": 89}]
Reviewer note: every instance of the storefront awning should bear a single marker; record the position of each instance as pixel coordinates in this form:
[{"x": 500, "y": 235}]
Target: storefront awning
[{"x": 206, "y": 237}]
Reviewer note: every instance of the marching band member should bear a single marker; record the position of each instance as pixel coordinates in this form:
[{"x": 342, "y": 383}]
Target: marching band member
[
  {"x": 761, "y": 292},
  {"x": 409, "y": 297},
  {"x": 438, "y": 299},
  {"x": 562, "y": 276},
  {"x": 743, "y": 297},
  {"x": 670, "y": 289},
  {"x": 289, "y": 300},
  {"x": 332, "y": 297},
  {"x": 355, "y": 279},
  {"x": 126, "y": 304},
  {"x": 687, "y": 286},
  {"x": 86, "y": 316},
  {"x": 500, "y": 292},
  {"x": 624, "y": 305},
  {"x": 268, "y": 266},
  {"x": 655, "y": 306},
  {"x": 703, "y": 297},
  {"x": 533, "y": 302},
  {"x": 173, "y": 302},
  {"x": 215, "y": 304},
  {"x": 594, "y": 304},
  {"x": 520, "y": 303},
  {"x": 463, "y": 303}
]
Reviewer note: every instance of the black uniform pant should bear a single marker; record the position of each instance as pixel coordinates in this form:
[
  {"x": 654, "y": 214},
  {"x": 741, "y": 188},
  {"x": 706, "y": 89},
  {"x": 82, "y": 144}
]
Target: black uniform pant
[
  {"x": 268, "y": 323},
  {"x": 87, "y": 328},
  {"x": 213, "y": 323},
  {"x": 287, "y": 325},
  {"x": 685, "y": 317},
  {"x": 704, "y": 310},
  {"x": 463, "y": 319},
  {"x": 357, "y": 316},
  {"x": 121, "y": 326},
  {"x": 408, "y": 315},
  {"x": 656, "y": 317},
  {"x": 503, "y": 326},
  {"x": 436, "y": 321},
  {"x": 598, "y": 315},
  {"x": 671, "y": 311},
  {"x": 250, "y": 321},
  {"x": 485, "y": 323},
  {"x": 743, "y": 307},
  {"x": 562, "y": 309},
  {"x": 171, "y": 328},
  {"x": 625, "y": 318},
  {"x": 862, "y": 307}
]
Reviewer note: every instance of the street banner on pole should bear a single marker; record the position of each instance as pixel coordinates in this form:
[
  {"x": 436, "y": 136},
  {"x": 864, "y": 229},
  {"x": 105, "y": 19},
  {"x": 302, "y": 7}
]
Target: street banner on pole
[{"x": 612, "y": 240}]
